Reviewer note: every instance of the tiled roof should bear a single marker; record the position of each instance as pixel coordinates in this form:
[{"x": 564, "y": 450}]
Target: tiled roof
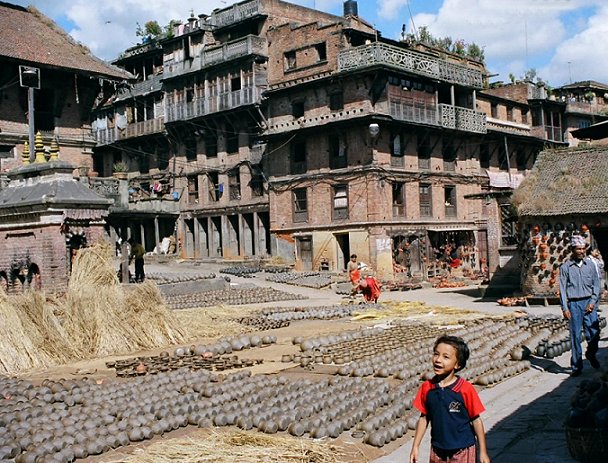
[
  {"x": 28, "y": 36},
  {"x": 569, "y": 181}
]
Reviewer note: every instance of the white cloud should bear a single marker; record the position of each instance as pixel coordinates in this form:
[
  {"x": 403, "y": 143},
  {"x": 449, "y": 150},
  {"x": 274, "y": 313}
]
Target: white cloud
[
  {"x": 515, "y": 34},
  {"x": 583, "y": 56},
  {"x": 108, "y": 27}
]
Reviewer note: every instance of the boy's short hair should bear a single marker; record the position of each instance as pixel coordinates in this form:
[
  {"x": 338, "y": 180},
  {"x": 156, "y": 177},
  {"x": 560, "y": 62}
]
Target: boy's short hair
[{"x": 462, "y": 350}]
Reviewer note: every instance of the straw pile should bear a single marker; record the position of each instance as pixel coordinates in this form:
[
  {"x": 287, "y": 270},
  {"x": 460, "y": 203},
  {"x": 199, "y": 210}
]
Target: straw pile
[
  {"x": 96, "y": 317},
  {"x": 102, "y": 319},
  {"x": 421, "y": 311},
  {"x": 235, "y": 446},
  {"x": 213, "y": 322},
  {"x": 17, "y": 351}
]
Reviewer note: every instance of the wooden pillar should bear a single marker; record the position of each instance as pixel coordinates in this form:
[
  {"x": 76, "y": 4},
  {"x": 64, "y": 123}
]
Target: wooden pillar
[
  {"x": 156, "y": 232},
  {"x": 256, "y": 234},
  {"x": 142, "y": 231}
]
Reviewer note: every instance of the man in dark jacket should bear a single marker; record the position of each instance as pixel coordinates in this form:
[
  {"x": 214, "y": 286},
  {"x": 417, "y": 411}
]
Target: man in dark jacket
[{"x": 137, "y": 253}]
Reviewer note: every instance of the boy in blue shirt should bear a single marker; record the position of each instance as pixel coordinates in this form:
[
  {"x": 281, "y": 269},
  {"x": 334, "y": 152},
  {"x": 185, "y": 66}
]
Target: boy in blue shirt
[{"x": 452, "y": 407}]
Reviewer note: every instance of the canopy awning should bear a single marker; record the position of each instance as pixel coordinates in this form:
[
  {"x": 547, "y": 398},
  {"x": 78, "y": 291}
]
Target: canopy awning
[{"x": 504, "y": 180}]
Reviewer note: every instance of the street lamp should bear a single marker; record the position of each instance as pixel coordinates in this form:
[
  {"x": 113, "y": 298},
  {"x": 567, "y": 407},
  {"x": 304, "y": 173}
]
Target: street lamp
[{"x": 29, "y": 77}]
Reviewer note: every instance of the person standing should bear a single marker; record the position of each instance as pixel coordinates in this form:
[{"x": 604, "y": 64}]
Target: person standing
[
  {"x": 579, "y": 291},
  {"x": 451, "y": 405},
  {"x": 354, "y": 273},
  {"x": 137, "y": 254}
]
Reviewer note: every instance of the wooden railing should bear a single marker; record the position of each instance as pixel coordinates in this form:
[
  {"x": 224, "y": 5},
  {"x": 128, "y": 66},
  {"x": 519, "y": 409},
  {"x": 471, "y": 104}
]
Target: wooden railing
[
  {"x": 203, "y": 106},
  {"x": 377, "y": 53},
  {"x": 136, "y": 129},
  {"x": 236, "y": 13},
  {"x": 250, "y": 45}
]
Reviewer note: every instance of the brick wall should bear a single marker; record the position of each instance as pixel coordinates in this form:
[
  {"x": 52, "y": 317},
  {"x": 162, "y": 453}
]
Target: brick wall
[{"x": 43, "y": 246}]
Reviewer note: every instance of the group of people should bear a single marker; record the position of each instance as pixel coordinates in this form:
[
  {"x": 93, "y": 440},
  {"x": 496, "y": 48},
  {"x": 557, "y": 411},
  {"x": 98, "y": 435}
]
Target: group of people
[{"x": 451, "y": 406}]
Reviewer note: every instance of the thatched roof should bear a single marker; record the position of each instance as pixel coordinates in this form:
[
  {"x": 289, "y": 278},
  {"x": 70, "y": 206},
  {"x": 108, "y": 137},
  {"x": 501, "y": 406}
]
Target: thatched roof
[
  {"x": 564, "y": 182},
  {"x": 29, "y": 37}
]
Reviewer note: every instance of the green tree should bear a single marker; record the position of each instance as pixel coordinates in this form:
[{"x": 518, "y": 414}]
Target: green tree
[{"x": 151, "y": 29}]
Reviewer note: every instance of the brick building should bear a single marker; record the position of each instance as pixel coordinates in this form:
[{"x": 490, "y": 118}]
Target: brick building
[
  {"x": 565, "y": 194},
  {"x": 46, "y": 215},
  {"x": 276, "y": 129},
  {"x": 71, "y": 81}
]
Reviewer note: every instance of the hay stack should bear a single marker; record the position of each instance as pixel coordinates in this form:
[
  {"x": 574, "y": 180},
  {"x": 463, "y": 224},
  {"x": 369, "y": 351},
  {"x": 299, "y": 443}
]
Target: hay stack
[
  {"x": 96, "y": 317},
  {"x": 236, "y": 446},
  {"x": 41, "y": 319},
  {"x": 17, "y": 351},
  {"x": 102, "y": 319}
]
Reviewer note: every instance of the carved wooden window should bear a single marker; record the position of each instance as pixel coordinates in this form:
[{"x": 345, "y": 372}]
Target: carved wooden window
[
  {"x": 289, "y": 59},
  {"x": 426, "y": 200},
  {"x": 340, "y": 202},
  {"x": 449, "y": 193},
  {"x": 298, "y": 157},
  {"x": 192, "y": 189},
  {"x": 300, "y": 205},
  {"x": 424, "y": 152},
  {"x": 337, "y": 151},
  {"x": 398, "y": 199}
]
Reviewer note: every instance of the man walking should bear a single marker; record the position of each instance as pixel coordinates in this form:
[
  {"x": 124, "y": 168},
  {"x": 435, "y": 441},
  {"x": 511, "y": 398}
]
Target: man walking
[
  {"x": 579, "y": 287},
  {"x": 137, "y": 253}
]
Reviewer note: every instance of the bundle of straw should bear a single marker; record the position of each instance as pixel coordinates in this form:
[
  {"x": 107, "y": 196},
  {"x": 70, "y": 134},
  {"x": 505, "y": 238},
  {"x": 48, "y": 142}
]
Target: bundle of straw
[
  {"x": 39, "y": 316},
  {"x": 17, "y": 351},
  {"x": 238, "y": 447},
  {"x": 101, "y": 318},
  {"x": 152, "y": 322},
  {"x": 212, "y": 322}
]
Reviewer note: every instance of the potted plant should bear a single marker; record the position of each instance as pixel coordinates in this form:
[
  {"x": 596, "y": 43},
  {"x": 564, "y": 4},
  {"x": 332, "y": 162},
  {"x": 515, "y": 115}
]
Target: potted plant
[{"x": 120, "y": 170}]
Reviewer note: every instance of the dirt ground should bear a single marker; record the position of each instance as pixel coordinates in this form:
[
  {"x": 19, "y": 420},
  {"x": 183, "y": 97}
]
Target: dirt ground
[{"x": 351, "y": 449}]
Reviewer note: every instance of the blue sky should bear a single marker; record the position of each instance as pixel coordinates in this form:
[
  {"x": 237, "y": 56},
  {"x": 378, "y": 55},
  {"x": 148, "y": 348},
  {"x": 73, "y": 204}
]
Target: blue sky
[{"x": 562, "y": 39}]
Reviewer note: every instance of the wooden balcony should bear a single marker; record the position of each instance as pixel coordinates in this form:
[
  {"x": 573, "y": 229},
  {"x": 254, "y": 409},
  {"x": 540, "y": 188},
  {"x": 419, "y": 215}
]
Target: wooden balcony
[
  {"x": 549, "y": 133},
  {"x": 413, "y": 62},
  {"x": 465, "y": 119},
  {"x": 136, "y": 129},
  {"x": 250, "y": 45},
  {"x": 236, "y": 13},
  {"x": 204, "y": 106},
  {"x": 141, "y": 88},
  {"x": 409, "y": 110},
  {"x": 507, "y": 126}
]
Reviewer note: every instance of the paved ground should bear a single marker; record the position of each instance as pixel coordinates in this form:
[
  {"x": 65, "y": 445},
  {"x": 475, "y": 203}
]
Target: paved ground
[{"x": 525, "y": 414}]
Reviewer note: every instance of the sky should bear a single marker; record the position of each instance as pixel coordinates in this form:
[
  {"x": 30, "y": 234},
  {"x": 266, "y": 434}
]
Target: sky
[{"x": 563, "y": 40}]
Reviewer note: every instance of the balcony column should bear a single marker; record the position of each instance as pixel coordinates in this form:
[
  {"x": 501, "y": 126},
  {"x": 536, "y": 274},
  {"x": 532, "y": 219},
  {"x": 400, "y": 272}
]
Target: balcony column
[
  {"x": 241, "y": 241},
  {"x": 475, "y": 100},
  {"x": 156, "y": 231},
  {"x": 256, "y": 234},
  {"x": 211, "y": 237},
  {"x": 197, "y": 238},
  {"x": 225, "y": 236},
  {"x": 142, "y": 231},
  {"x": 452, "y": 96}
]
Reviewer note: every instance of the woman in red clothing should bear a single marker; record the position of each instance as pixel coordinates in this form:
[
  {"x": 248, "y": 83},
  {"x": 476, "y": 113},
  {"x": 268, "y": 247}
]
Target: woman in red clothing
[{"x": 370, "y": 288}]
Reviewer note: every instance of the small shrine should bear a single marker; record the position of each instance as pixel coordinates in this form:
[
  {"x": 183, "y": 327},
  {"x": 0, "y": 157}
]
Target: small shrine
[{"x": 46, "y": 215}]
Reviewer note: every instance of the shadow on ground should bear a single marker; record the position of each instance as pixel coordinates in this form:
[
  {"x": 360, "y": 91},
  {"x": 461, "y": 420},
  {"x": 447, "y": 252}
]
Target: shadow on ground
[{"x": 534, "y": 432}]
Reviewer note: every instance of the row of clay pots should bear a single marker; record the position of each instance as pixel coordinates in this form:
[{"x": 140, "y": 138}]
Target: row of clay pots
[
  {"x": 168, "y": 278},
  {"x": 233, "y": 296}
]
